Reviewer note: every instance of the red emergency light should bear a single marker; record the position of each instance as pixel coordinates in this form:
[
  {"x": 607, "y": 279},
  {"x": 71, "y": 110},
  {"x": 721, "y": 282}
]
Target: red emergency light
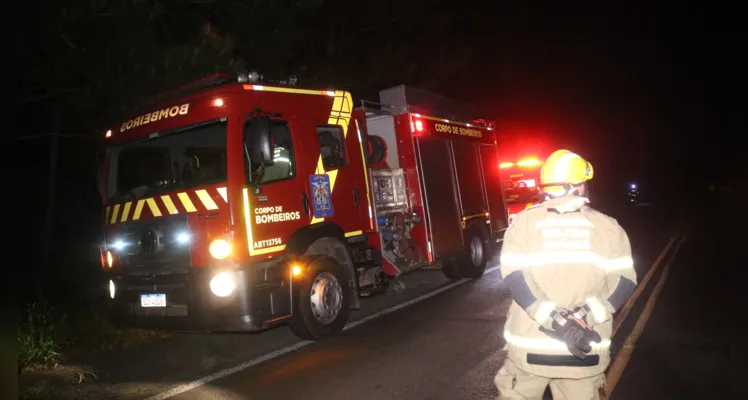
[
  {"x": 419, "y": 125},
  {"x": 525, "y": 162},
  {"x": 416, "y": 125},
  {"x": 529, "y": 162}
]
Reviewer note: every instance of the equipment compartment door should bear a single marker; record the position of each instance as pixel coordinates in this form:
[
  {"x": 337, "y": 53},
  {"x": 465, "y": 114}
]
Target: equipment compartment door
[
  {"x": 494, "y": 190},
  {"x": 440, "y": 194},
  {"x": 469, "y": 178}
]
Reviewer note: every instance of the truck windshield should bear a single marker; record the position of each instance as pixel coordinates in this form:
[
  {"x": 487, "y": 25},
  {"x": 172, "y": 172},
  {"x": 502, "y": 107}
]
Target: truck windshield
[
  {"x": 519, "y": 192},
  {"x": 178, "y": 160}
]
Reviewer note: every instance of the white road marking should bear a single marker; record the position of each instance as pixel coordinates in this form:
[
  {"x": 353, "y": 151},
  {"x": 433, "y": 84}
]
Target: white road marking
[{"x": 277, "y": 353}]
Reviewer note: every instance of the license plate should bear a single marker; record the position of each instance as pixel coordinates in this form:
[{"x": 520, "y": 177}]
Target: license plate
[{"x": 153, "y": 300}]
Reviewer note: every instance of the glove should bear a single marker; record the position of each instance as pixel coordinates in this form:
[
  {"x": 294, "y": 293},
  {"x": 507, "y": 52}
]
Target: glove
[
  {"x": 572, "y": 329},
  {"x": 580, "y": 316}
]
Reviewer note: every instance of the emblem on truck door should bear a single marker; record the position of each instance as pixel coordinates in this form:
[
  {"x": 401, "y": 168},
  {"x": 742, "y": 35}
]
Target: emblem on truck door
[{"x": 321, "y": 196}]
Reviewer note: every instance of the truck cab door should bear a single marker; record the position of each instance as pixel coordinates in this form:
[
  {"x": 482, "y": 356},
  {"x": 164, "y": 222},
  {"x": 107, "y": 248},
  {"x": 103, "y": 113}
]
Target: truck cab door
[
  {"x": 338, "y": 187},
  {"x": 275, "y": 199}
]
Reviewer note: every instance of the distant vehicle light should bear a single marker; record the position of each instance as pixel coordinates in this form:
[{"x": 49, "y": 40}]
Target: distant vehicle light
[
  {"x": 118, "y": 245},
  {"x": 108, "y": 133},
  {"x": 506, "y": 165},
  {"x": 112, "y": 289},
  {"x": 253, "y": 76},
  {"x": 109, "y": 258}
]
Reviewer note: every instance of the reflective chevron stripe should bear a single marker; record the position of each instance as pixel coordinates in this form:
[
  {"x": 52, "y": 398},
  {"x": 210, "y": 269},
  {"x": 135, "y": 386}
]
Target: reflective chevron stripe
[{"x": 167, "y": 204}]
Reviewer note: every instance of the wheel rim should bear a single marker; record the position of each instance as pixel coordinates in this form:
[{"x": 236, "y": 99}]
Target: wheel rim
[
  {"x": 326, "y": 298},
  {"x": 476, "y": 251}
]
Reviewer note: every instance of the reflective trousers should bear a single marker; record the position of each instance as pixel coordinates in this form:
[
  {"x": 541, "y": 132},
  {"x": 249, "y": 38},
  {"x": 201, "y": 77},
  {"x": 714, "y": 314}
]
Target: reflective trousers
[{"x": 515, "y": 384}]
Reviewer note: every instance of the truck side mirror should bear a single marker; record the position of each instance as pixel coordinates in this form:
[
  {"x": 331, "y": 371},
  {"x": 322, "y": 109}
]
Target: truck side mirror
[{"x": 257, "y": 140}]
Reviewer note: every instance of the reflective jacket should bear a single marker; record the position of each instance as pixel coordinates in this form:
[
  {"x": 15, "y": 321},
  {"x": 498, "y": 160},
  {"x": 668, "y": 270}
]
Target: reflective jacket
[{"x": 562, "y": 254}]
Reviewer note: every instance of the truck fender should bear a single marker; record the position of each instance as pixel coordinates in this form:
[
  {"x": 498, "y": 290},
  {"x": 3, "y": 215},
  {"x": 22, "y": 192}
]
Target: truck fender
[
  {"x": 481, "y": 224},
  {"x": 326, "y": 238}
]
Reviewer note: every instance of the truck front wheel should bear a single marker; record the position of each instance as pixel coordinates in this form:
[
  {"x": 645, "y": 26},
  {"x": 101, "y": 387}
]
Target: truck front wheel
[{"x": 322, "y": 300}]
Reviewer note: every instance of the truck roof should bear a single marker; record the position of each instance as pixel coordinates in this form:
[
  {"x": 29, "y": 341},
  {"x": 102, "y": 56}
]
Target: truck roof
[{"x": 408, "y": 99}]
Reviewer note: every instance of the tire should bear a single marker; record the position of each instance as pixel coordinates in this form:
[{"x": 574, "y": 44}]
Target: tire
[
  {"x": 478, "y": 252},
  {"x": 377, "y": 150},
  {"x": 322, "y": 300},
  {"x": 450, "y": 270}
]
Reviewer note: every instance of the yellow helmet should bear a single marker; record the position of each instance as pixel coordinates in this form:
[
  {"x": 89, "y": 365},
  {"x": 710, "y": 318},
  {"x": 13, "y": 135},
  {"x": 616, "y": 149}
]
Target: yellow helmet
[{"x": 563, "y": 171}]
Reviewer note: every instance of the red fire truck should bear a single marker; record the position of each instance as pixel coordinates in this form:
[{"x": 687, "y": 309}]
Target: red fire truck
[
  {"x": 521, "y": 179},
  {"x": 236, "y": 204}
]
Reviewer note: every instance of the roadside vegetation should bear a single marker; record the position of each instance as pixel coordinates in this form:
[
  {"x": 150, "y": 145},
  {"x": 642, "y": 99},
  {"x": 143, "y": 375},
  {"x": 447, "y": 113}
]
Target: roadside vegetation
[
  {"x": 49, "y": 338},
  {"x": 47, "y": 335}
]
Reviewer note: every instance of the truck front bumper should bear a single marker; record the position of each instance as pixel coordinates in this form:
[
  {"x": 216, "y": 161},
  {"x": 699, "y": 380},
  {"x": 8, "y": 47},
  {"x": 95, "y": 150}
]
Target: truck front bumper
[{"x": 261, "y": 298}]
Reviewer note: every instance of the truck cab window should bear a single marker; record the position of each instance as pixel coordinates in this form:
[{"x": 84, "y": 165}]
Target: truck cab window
[
  {"x": 183, "y": 158},
  {"x": 331, "y": 146},
  {"x": 519, "y": 192},
  {"x": 142, "y": 167},
  {"x": 283, "y": 166},
  {"x": 206, "y": 165}
]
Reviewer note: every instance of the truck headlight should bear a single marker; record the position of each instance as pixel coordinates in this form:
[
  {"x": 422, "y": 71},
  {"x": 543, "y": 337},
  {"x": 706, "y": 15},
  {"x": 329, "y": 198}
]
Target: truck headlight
[
  {"x": 220, "y": 249},
  {"x": 183, "y": 238},
  {"x": 223, "y": 284}
]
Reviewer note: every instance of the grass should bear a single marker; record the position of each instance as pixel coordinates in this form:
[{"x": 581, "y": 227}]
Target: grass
[
  {"x": 49, "y": 340},
  {"x": 46, "y": 334},
  {"x": 36, "y": 337}
]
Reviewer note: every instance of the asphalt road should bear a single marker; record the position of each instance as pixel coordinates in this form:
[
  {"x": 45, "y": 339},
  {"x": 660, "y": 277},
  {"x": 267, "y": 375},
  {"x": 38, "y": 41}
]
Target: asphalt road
[
  {"x": 447, "y": 347},
  {"x": 443, "y": 347},
  {"x": 684, "y": 352}
]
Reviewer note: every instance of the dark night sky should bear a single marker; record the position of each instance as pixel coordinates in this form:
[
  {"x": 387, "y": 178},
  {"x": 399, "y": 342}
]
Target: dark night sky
[
  {"x": 617, "y": 84},
  {"x": 649, "y": 98}
]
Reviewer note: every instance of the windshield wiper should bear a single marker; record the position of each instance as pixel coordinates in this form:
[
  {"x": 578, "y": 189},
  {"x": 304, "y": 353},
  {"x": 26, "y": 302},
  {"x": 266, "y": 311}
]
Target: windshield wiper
[
  {"x": 130, "y": 193},
  {"x": 146, "y": 190}
]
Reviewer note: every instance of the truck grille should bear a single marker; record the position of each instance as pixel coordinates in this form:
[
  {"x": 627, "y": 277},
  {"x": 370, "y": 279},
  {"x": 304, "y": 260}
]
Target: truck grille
[{"x": 156, "y": 245}]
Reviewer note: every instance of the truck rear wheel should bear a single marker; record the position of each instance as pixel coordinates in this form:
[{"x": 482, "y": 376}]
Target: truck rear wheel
[
  {"x": 450, "y": 270},
  {"x": 322, "y": 301},
  {"x": 478, "y": 251}
]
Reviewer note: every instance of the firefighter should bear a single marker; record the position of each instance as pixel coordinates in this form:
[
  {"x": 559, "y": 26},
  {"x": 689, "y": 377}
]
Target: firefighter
[{"x": 568, "y": 268}]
